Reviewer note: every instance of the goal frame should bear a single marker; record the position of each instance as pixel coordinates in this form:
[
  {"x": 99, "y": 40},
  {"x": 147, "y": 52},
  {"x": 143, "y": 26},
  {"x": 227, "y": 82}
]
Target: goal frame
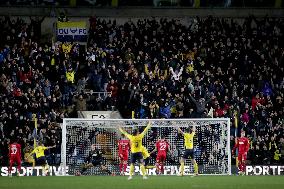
[{"x": 64, "y": 134}]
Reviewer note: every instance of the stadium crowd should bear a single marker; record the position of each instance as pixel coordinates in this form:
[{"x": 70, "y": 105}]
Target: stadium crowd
[{"x": 159, "y": 68}]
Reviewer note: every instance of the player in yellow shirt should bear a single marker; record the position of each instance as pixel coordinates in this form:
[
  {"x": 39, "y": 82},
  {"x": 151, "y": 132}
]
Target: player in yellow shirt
[
  {"x": 136, "y": 149},
  {"x": 40, "y": 157},
  {"x": 188, "y": 150}
]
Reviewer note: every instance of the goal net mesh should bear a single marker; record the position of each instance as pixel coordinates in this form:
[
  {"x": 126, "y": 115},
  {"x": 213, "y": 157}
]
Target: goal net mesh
[{"x": 211, "y": 143}]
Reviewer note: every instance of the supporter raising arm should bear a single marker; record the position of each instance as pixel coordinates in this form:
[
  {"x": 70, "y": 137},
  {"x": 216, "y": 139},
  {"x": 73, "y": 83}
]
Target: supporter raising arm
[{"x": 70, "y": 73}]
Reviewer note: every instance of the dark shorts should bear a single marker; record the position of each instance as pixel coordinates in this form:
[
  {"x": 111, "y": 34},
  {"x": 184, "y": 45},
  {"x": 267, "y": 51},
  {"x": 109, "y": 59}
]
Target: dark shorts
[
  {"x": 146, "y": 161},
  {"x": 97, "y": 162},
  {"x": 188, "y": 153},
  {"x": 41, "y": 160},
  {"x": 136, "y": 156}
]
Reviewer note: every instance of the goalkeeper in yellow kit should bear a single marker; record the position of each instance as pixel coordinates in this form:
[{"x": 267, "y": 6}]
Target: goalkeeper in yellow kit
[
  {"x": 188, "y": 150},
  {"x": 136, "y": 149}
]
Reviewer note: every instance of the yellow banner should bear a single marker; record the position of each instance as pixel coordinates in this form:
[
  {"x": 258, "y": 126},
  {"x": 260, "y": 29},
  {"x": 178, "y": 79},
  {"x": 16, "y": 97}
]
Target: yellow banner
[{"x": 80, "y": 24}]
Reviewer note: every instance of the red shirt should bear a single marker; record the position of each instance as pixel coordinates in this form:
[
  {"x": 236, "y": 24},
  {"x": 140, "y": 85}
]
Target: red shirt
[
  {"x": 255, "y": 101},
  {"x": 242, "y": 145},
  {"x": 15, "y": 150},
  {"x": 113, "y": 88},
  {"x": 162, "y": 146},
  {"x": 123, "y": 146},
  {"x": 219, "y": 112}
]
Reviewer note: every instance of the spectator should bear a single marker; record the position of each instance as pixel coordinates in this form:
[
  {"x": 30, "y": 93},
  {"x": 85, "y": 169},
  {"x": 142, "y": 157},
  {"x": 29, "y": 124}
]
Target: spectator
[
  {"x": 81, "y": 84},
  {"x": 200, "y": 106},
  {"x": 154, "y": 109},
  {"x": 35, "y": 26},
  {"x": 62, "y": 17},
  {"x": 112, "y": 88},
  {"x": 81, "y": 103},
  {"x": 70, "y": 73}
]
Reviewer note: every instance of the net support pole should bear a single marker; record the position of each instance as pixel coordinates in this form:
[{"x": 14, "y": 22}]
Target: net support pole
[
  {"x": 63, "y": 148},
  {"x": 229, "y": 147}
]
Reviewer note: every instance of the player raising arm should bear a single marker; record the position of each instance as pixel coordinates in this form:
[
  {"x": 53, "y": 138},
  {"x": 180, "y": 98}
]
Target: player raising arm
[
  {"x": 123, "y": 151},
  {"x": 136, "y": 149},
  {"x": 188, "y": 151},
  {"x": 94, "y": 159},
  {"x": 242, "y": 145},
  {"x": 162, "y": 146},
  {"x": 40, "y": 157},
  {"x": 15, "y": 157}
]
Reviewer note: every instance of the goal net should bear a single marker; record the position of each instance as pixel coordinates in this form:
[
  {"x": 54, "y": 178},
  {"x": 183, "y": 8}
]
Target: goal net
[{"x": 211, "y": 143}]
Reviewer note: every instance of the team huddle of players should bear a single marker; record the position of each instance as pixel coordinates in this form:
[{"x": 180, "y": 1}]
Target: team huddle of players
[{"x": 139, "y": 153}]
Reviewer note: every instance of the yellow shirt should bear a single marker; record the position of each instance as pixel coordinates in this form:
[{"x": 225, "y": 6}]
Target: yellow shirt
[
  {"x": 66, "y": 48},
  {"x": 277, "y": 155},
  {"x": 145, "y": 152},
  {"x": 39, "y": 151},
  {"x": 188, "y": 140},
  {"x": 70, "y": 76},
  {"x": 52, "y": 62},
  {"x": 190, "y": 68},
  {"x": 136, "y": 141}
]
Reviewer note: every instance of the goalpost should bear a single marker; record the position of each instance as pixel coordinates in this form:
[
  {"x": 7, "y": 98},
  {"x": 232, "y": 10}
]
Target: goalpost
[{"x": 211, "y": 143}]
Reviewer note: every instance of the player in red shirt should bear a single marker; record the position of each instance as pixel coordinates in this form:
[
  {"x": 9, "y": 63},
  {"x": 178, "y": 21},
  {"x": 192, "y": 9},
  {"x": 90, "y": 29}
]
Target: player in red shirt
[
  {"x": 162, "y": 146},
  {"x": 123, "y": 151},
  {"x": 242, "y": 144},
  {"x": 15, "y": 157}
]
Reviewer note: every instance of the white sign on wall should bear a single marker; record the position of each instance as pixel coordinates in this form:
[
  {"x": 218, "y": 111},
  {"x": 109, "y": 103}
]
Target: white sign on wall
[
  {"x": 33, "y": 171},
  {"x": 265, "y": 170},
  {"x": 94, "y": 114},
  {"x": 168, "y": 170}
]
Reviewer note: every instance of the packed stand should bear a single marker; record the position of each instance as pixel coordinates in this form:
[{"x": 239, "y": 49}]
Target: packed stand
[
  {"x": 158, "y": 68},
  {"x": 39, "y": 79},
  {"x": 163, "y": 68}
]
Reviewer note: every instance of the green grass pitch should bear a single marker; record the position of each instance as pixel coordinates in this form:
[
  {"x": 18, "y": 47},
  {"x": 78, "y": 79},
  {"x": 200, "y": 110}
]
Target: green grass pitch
[{"x": 154, "y": 182}]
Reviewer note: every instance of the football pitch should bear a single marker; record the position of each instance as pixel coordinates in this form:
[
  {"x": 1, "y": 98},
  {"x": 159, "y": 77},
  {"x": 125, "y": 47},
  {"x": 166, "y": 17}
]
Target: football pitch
[{"x": 154, "y": 182}]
